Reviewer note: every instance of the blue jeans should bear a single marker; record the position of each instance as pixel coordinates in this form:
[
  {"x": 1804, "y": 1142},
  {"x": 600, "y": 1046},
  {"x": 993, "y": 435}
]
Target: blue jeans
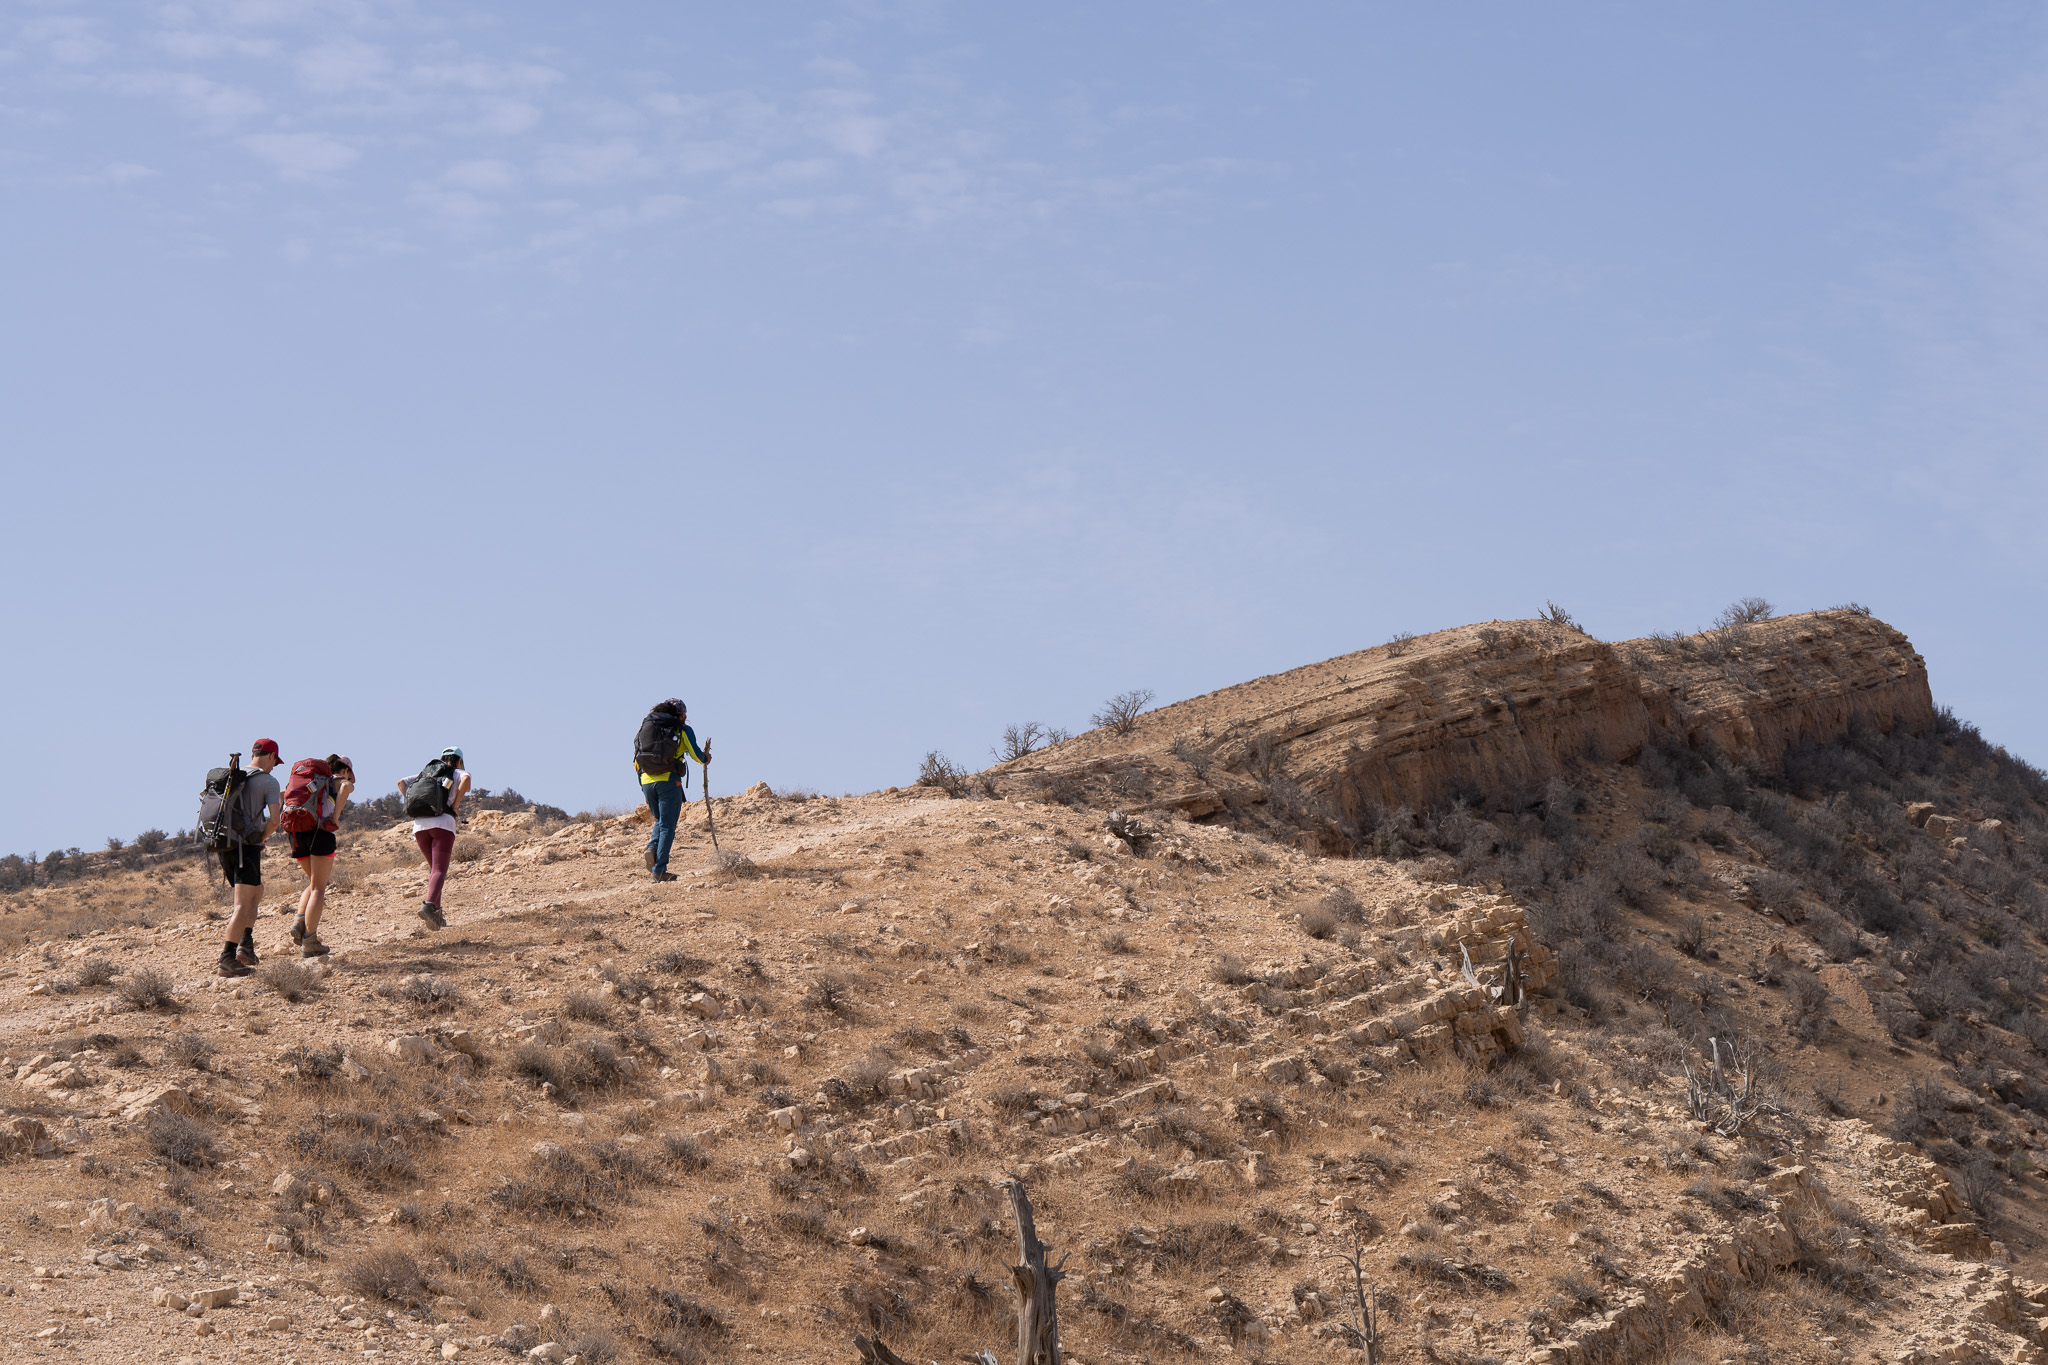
[{"x": 665, "y": 799}]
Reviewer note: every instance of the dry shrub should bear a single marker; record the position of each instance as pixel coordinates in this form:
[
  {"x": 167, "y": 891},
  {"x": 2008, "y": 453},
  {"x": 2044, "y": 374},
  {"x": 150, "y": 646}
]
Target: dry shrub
[
  {"x": 684, "y": 1153},
  {"x": 292, "y": 981},
  {"x": 827, "y": 993},
  {"x": 1809, "y": 1016},
  {"x": 1318, "y": 921},
  {"x": 737, "y": 867},
  {"x": 189, "y": 1050},
  {"x": 180, "y": 1139},
  {"x": 518, "y": 1275},
  {"x": 469, "y": 848},
  {"x": 1229, "y": 970},
  {"x": 386, "y": 1274},
  {"x": 370, "y": 1146},
  {"x": 1193, "y": 1247},
  {"x": 96, "y": 970},
  {"x": 591, "y": 1064},
  {"x": 428, "y": 994},
  {"x": 146, "y": 988},
  {"x": 589, "y": 1007},
  {"x": 557, "y": 1184}
]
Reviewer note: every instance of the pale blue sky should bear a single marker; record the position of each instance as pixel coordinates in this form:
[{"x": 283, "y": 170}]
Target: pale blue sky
[{"x": 378, "y": 376}]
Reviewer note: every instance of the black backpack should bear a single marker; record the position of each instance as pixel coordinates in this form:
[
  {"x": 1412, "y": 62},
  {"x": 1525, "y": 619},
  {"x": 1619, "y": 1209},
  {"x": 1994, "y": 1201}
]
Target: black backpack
[
  {"x": 654, "y": 747},
  {"x": 426, "y": 796},
  {"x": 222, "y": 821}
]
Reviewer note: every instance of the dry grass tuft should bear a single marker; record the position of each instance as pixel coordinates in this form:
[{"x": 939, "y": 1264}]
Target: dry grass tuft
[
  {"x": 386, "y": 1274},
  {"x": 181, "y": 1139},
  {"x": 292, "y": 981},
  {"x": 146, "y": 988}
]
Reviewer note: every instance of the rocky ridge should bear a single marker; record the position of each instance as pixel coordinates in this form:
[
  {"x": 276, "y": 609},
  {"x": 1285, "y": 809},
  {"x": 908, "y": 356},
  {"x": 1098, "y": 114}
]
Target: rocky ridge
[
  {"x": 768, "y": 1107},
  {"x": 1488, "y": 708}
]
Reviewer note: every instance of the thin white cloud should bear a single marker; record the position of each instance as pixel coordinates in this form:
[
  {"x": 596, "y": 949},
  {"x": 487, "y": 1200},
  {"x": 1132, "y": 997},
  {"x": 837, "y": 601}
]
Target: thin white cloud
[
  {"x": 302, "y": 156},
  {"x": 342, "y": 65},
  {"x": 482, "y": 176},
  {"x": 499, "y": 118},
  {"x": 594, "y": 163},
  {"x": 70, "y": 40},
  {"x": 218, "y": 104},
  {"x": 456, "y": 114},
  {"x": 488, "y": 77},
  {"x": 190, "y": 46}
]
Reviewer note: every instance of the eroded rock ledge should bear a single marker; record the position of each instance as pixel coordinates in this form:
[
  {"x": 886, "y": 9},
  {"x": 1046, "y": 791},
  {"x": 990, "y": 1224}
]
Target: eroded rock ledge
[{"x": 1483, "y": 709}]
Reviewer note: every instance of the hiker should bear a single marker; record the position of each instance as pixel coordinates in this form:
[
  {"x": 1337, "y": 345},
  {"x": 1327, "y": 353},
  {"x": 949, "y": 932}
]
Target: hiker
[
  {"x": 432, "y": 799},
  {"x": 313, "y": 802},
  {"x": 661, "y": 753},
  {"x": 262, "y": 803}
]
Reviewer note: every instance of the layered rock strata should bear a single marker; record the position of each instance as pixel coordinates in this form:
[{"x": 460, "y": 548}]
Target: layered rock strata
[{"x": 1485, "y": 709}]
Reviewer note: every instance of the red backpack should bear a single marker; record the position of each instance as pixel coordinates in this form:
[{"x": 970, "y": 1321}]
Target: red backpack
[{"x": 307, "y": 804}]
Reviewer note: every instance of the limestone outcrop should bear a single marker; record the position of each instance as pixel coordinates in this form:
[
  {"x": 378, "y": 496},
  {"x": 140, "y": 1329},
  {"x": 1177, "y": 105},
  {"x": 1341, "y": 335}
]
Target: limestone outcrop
[{"x": 1483, "y": 709}]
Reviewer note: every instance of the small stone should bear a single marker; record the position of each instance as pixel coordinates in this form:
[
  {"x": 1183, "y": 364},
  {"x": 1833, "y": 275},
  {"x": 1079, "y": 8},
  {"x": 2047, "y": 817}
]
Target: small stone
[
  {"x": 798, "y": 1157},
  {"x": 277, "y": 1241},
  {"x": 860, "y": 1237},
  {"x": 202, "y": 1328},
  {"x": 278, "y": 1323}
]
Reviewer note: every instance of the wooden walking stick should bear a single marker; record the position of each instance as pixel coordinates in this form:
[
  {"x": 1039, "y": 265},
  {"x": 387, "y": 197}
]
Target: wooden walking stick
[{"x": 709, "y": 823}]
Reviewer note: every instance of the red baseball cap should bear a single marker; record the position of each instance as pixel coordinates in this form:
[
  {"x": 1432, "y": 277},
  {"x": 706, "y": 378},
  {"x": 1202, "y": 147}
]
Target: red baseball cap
[{"x": 263, "y": 746}]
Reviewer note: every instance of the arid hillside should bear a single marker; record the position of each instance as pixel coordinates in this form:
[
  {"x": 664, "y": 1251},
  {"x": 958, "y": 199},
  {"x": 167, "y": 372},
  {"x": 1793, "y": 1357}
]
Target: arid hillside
[{"x": 1422, "y": 956}]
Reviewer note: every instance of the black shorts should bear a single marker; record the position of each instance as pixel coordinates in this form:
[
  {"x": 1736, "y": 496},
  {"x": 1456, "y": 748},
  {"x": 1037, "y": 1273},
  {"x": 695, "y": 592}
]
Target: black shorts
[
  {"x": 313, "y": 843},
  {"x": 243, "y": 864}
]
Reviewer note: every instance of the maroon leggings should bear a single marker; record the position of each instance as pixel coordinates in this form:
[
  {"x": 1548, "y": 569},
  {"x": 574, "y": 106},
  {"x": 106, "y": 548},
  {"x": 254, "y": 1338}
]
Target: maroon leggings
[{"x": 438, "y": 845}]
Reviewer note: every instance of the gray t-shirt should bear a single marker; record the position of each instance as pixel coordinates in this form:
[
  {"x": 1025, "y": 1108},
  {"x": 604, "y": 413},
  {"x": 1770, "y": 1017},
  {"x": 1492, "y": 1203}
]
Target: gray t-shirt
[{"x": 259, "y": 793}]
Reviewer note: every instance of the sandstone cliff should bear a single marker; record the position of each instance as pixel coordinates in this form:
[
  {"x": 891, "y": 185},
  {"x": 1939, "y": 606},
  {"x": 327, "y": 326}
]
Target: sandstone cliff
[{"x": 1500, "y": 707}]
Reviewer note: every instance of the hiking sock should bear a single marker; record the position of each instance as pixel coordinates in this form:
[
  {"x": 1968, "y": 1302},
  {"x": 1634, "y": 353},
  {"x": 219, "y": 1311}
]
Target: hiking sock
[{"x": 229, "y": 951}]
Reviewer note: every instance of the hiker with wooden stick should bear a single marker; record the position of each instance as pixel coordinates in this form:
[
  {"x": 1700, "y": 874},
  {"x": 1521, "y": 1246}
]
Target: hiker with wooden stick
[{"x": 662, "y": 750}]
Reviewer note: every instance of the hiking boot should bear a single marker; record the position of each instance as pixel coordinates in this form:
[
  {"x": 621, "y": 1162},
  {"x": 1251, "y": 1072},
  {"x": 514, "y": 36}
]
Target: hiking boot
[
  {"x": 650, "y": 857},
  {"x": 431, "y": 913},
  {"x": 313, "y": 947},
  {"x": 245, "y": 953},
  {"x": 664, "y": 876},
  {"x": 231, "y": 966},
  {"x": 299, "y": 930}
]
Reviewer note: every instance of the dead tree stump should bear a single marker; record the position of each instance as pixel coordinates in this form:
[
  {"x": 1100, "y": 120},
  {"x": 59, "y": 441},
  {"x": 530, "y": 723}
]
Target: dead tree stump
[{"x": 1038, "y": 1323}]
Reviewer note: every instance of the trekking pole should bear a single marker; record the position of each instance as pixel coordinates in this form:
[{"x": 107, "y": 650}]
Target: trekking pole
[{"x": 709, "y": 823}]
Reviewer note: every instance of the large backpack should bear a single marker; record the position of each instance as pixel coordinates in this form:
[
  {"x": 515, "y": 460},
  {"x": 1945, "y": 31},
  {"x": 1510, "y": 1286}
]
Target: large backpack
[
  {"x": 308, "y": 799},
  {"x": 222, "y": 821},
  {"x": 426, "y": 796},
  {"x": 654, "y": 747}
]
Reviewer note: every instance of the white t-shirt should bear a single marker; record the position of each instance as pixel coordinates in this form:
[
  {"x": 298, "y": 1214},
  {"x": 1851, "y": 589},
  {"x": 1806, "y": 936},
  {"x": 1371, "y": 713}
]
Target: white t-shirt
[{"x": 446, "y": 822}]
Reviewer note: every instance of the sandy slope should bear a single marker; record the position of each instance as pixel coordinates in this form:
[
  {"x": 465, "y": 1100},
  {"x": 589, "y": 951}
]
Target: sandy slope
[{"x": 781, "y": 1103}]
